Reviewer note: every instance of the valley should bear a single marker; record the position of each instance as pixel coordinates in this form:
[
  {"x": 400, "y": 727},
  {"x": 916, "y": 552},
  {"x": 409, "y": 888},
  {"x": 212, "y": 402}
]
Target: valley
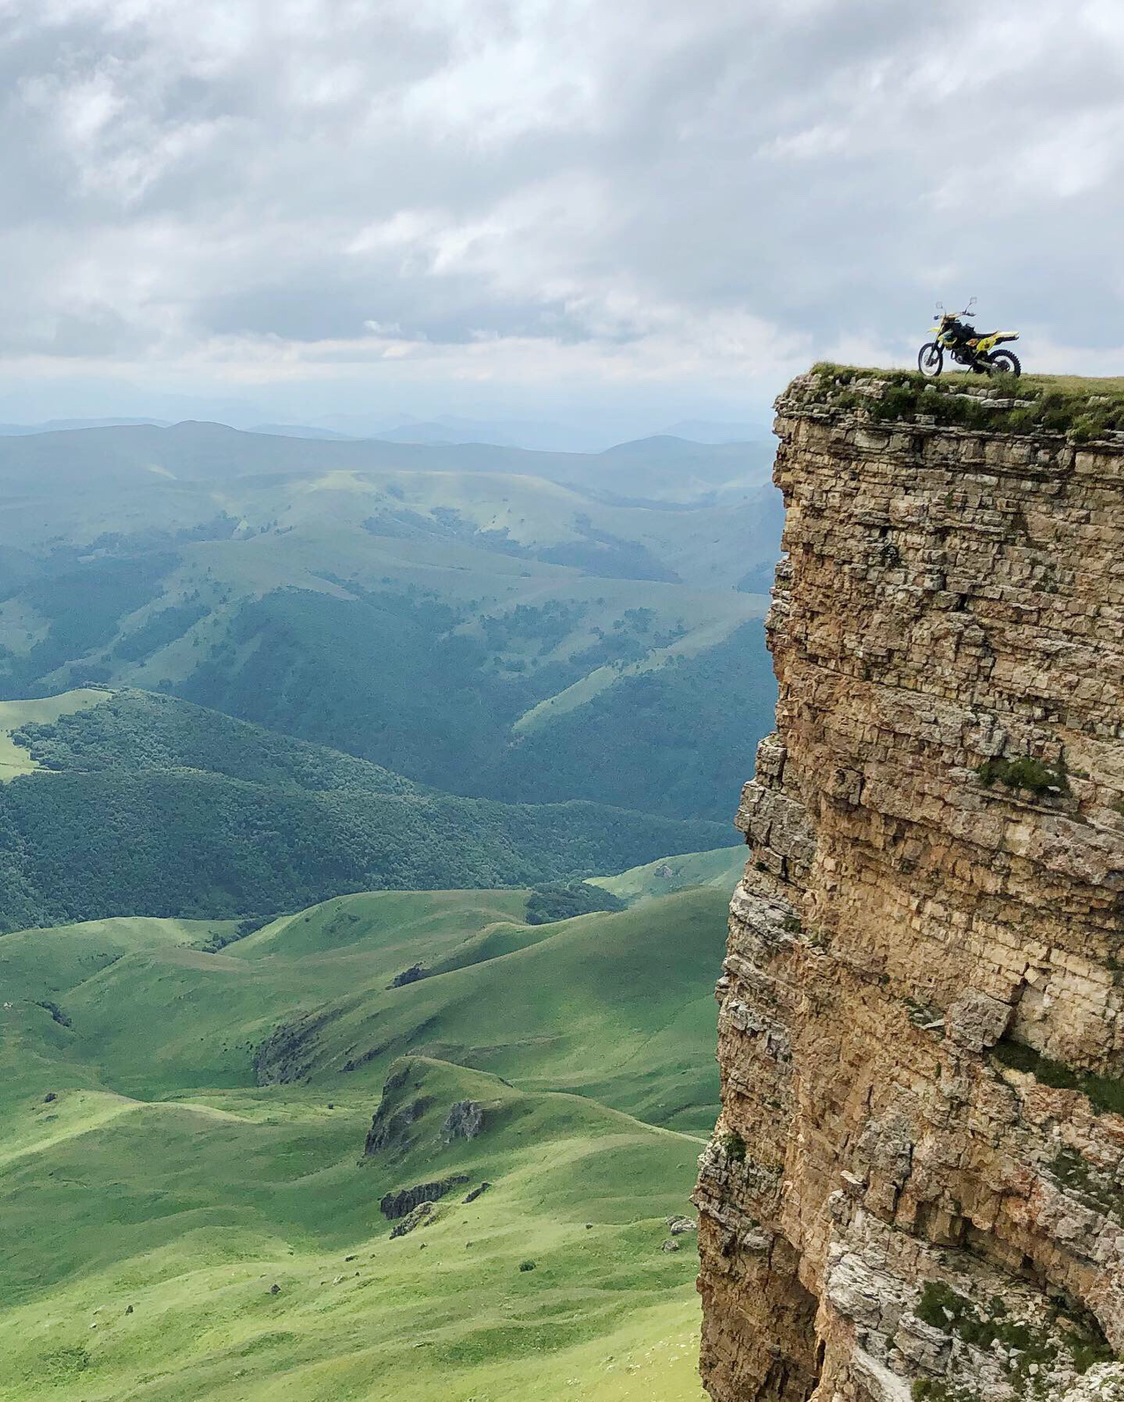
[
  {"x": 141, "y": 803},
  {"x": 364, "y": 831},
  {"x": 454, "y": 614},
  {"x": 561, "y": 741}
]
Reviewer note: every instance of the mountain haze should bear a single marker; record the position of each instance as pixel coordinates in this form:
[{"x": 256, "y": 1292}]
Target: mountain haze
[{"x": 190, "y": 451}]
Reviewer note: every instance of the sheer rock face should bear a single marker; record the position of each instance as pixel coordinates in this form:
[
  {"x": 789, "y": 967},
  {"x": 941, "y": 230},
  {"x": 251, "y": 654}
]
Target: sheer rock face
[{"x": 888, "y": 1207}]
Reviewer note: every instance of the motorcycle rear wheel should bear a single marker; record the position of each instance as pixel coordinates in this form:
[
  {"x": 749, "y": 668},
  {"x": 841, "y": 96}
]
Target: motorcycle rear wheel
[
  {"x": 1004, "y": 362},
  {"x": 930, "y": 360}
]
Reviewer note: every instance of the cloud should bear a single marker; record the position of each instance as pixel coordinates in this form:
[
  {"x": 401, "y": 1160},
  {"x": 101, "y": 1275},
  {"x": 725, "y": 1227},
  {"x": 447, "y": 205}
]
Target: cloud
[{"x": 514, "y": 191}]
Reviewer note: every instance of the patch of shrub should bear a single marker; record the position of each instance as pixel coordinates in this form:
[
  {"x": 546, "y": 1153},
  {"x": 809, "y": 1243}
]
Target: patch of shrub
[
  {"x": 560, "y": 900},
  {"x": 1025, "y": 772},
  {"x": 62, "y": 1363},
  {"x": 1028, "y": 1348},
  {"x": 733, "y": 1146},
  {"x": 57, "y": 1014},
  {"x": 249, "y": 926}
]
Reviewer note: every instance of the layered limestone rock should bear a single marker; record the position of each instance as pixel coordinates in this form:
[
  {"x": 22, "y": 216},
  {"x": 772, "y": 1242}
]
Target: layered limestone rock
[{"x": 916, "y": 1187}]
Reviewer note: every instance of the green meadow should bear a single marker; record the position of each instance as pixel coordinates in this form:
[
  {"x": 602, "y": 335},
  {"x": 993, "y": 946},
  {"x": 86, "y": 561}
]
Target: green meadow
[{"x": 183, "y": 1125}]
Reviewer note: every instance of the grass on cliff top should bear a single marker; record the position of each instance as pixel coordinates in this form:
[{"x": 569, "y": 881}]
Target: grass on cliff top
[{"x": 1077, "y": 408}]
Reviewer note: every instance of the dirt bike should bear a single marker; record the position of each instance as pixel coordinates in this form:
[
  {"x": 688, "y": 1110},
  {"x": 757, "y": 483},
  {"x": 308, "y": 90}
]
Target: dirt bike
[{"x": 967, "y": 346}]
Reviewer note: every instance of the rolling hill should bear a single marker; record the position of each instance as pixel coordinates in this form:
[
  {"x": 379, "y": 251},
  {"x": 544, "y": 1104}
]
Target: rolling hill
[
  {"x": 208, "y": 1196},
  {"x": 144, "y": 804},
  {"x": 390, "y": 688},
  {"x": 492, "y": 634}
]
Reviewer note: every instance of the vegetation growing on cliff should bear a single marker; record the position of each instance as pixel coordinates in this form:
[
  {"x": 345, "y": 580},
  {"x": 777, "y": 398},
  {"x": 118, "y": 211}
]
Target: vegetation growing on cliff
[
  {"x": 1079, "y": 409},
  {"x": 1027, "y": 1350},
  {"x": 1105, "y": 1093},
  {"x": 1096, "y": 1187},
  {"x": 1024, "y": 772},
  {"x": 733, "y": 1146}
]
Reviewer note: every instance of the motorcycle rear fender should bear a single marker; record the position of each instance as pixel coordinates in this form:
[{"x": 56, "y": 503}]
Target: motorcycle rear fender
[{"x": 987, "y": 343}]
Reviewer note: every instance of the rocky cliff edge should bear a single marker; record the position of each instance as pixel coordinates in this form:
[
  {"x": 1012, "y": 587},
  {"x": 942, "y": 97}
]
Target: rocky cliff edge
[{"x": 916, "y": 1187}]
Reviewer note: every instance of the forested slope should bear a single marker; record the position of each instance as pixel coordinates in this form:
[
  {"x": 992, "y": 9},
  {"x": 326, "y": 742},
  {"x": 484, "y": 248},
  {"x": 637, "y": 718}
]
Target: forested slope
[{"x": 147, "y": 804}]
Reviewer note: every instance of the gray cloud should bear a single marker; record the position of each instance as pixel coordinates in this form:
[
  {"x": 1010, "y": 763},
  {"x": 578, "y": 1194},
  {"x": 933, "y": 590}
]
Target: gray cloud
[{"x": 518, "y": 191}]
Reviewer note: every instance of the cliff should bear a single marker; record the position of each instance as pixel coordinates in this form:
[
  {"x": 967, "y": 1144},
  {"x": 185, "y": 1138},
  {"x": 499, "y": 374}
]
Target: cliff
[{"x": 916, "y": 1186}]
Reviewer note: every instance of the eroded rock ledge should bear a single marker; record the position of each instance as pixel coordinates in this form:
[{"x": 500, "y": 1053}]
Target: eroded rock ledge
[{"x": 916, "y": 1187}]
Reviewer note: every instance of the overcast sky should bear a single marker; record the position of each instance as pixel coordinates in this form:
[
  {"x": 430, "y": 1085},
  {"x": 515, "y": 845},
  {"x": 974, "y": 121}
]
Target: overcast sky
[{"x": 544, "y": 205}]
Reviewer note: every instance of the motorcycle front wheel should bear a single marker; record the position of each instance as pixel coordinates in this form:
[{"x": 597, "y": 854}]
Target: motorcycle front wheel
[
  {"x": 1003, "y": 362},
  {"x": 930, "y": 359}
]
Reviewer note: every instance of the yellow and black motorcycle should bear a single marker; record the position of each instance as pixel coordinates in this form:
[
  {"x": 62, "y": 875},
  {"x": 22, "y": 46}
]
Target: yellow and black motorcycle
[{"x": 967, "y": 346}]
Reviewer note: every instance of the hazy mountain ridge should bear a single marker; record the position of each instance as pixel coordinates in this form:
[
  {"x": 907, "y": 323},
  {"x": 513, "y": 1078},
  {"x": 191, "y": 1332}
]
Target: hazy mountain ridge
[
  {"x": 197, "y": 451},
  {"x": 460, "y": 627}
]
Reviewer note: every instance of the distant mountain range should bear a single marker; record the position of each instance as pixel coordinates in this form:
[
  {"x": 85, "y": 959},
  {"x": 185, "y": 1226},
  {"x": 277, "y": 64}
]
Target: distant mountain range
[
  {"x": 63, "y": 425},
  {"x": 658, "y": 469},
  {"x": 447, "y": 430}
]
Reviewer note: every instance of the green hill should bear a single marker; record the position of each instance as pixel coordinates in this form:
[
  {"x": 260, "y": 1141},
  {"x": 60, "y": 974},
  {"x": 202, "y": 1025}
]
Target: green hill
[
  {"x": 15, "y": 758},
  {"x": 309, "y": 998},
  {"x": 152, "y": 1188},
  {"x": 460, "y": 617},
  {"x": 145, "y": 803},
  {"x": 721, "y": 869}
]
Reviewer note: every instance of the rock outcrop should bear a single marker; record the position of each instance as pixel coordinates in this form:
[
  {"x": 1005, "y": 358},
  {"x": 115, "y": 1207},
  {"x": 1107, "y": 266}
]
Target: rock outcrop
[
  {"x": 397, "y": 1113},
  {"x": 916, "y": 1186},
  {"x": 465, "y": 1120},
  {"x": 424, "y": 1212},
  {"x": 403, "y": 1202}
]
